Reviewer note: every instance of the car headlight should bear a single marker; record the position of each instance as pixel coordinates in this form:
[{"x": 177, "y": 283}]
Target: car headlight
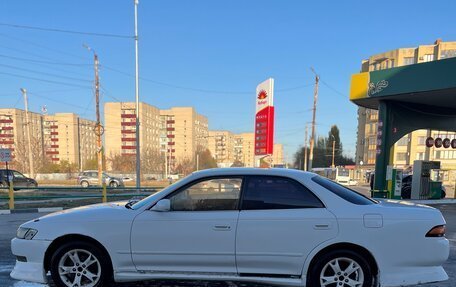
[{"x": 26, "y": 233}]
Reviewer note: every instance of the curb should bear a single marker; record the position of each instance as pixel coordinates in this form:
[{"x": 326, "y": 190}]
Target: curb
[
  {"x": 31, "y": 210},
  {"x": 434, "y": 201}
]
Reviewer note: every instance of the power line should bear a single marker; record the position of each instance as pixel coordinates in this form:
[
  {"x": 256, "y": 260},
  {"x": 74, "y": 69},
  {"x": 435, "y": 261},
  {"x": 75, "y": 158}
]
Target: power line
[
  {"x": 44, "y": 80},
  {"x": 66, "y": 31},
  {"x": 43, "y": 73},
  {"x": 42, "y": 62}
]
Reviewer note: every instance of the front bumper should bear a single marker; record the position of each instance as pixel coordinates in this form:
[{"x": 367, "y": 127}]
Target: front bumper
[{"x": 33, "y": 250}]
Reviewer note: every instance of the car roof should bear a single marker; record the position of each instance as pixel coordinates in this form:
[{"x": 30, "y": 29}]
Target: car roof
[{"x": 253, "y": 171}]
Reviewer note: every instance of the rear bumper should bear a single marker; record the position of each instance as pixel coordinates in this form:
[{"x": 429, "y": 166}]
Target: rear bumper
[
  {"x": 414, "y": 276},
  {"x": 424, "y": 267},
  {"x": 33, "y": 250}
]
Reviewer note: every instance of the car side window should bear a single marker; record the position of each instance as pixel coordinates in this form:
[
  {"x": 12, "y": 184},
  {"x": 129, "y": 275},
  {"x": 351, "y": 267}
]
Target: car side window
[
  {"x": 18, "y": 174},
  {"x": 268, "y": 192},
  {"x": 207, "y": 195}
]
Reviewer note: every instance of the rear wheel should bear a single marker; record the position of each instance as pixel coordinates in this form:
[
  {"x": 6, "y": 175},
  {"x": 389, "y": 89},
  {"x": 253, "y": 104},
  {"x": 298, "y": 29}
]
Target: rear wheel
[
  {"x": 342, "y": 268},
  {"x": 114, "y": 184},
  {"x": 80, "y": 264}
]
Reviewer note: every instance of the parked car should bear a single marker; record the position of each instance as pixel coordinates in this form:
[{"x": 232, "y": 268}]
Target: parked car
[
  {"x": 406, "y": 189},
  {"x": 275, "y": 226},
  {"x": 19, "y": 180},
  {"x": 90, "y": 177}
]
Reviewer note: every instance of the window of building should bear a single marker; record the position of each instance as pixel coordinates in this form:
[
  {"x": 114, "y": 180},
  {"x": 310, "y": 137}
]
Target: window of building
[
  {"x": 428, "y": 57},
  {"x": 403, "y": 141},
  {"x": 402, "y": 156},
  {"x": 445, "y": 54},
  {"x": 266, "y": 192},
  {"x": 437, "y": 154},
  {"x": 421, "y": 140},
  {"x": 409, "y": 61},
  {"x": 419, "y": 156},
  {"x": 207, "y": 195}
]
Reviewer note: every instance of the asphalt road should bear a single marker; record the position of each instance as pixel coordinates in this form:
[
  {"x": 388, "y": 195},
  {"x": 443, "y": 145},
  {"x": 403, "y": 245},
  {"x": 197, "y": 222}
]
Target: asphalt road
[{"x": 9, "y": 224}]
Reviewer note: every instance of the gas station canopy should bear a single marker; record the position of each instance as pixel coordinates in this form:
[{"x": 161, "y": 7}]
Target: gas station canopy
[
  {"x": 408, "y": 98},
  {"x": 431, "y": 84}
]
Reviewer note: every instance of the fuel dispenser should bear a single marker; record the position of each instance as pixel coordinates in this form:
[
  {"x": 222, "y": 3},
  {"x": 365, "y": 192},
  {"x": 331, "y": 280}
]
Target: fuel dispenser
[
  {"x": 394, "y": 182},
  {"x": 426, "y": 182}
]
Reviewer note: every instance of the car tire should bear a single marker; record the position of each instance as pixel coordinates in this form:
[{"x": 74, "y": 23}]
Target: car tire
[
  {"x": 90, "y": 267},
  {"x": 113, "y": 184},
  {"x": 406, "y": 192},
  {"x": 330, "y": 270},
  {"x": 85, "y": 184}
]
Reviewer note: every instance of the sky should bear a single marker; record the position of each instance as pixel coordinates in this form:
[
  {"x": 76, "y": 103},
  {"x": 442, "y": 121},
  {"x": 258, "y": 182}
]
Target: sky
[{"x": 210, "y": 55}]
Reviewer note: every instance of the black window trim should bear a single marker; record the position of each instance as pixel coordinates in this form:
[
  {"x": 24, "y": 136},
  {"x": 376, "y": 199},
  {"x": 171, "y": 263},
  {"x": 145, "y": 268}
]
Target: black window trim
[
  {"x": 196, "y": 181},
  {"x": 248, "y": 177}
]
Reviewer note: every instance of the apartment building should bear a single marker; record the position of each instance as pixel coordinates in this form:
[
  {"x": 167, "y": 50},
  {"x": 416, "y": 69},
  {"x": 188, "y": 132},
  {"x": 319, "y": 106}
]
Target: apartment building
[
  {"x": 63, "y": 136},
  {"x": 120, "y": 128},
  {"x": 411, "y": 147},
  {"x": 244, "y": 149},
  {"x": 221, "y": 144},
  {"x": 67, "y": 137},
  {"x": 13, "y": 133},
  {"x": 184, "y": 132},
  {"x": 277, "y": 156}
]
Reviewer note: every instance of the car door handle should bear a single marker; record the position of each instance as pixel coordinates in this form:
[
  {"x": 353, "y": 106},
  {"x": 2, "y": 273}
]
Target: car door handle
[
  {"x": 322, "y": 226},
  {"x": 222, "y": 227}
]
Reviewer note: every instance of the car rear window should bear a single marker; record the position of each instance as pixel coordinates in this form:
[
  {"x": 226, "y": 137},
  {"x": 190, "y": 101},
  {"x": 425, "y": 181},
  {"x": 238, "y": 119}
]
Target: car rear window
[{"x": 343, "y": 192}]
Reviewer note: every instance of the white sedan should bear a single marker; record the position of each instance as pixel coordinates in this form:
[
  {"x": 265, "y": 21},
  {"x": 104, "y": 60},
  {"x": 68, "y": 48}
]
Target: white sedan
[{"x": 273, "y": 226}]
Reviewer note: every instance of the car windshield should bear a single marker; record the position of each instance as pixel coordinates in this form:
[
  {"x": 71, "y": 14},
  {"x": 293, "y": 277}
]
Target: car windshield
[{"x": 346, "y": 193}]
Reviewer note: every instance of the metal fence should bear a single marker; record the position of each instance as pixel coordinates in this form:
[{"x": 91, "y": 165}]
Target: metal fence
[{"x": 67, "y": 196}]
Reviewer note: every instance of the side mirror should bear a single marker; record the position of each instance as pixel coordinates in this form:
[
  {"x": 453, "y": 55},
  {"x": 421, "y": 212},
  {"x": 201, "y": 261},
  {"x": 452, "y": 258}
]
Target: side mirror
[{"x": 162, "y": 205}]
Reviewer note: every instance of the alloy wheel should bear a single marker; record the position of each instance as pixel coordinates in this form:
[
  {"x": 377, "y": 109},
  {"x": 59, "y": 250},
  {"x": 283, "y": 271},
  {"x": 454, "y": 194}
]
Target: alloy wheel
[
  {"x": 342, "y": 272},
  {"x": 79, "y": 268}
]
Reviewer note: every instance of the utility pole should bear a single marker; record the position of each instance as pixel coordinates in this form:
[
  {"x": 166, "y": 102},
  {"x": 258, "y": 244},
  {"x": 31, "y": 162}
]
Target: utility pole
[
  {"x": 138, "y": 153},
  {"x": 98, "y": 127},
  {"x": 312, "y": 136},
  {"x": 305, "y": 149},
  {"x": 334, "y": 147},
  {"x": 197, "y": 161},
  {"x": 29, "y": 143}
]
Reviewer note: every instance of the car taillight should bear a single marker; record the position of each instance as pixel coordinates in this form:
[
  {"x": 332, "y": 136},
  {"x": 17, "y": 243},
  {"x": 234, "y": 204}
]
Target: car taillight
[{"x": 437, "y": 231}]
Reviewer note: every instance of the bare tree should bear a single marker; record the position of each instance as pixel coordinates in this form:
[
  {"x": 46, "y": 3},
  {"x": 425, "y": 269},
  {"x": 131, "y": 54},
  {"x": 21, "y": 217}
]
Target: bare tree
[
  {"x": 152, "y": 161},
  {"x": 122, "y": 163},
  {"x": 21, "y": 155}
]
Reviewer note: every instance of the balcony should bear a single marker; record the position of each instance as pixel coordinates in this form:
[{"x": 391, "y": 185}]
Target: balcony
[
  {"x": 128, "y": 139},
  {"x": 54, "y": 127},
  {"x": 54, "y": 140},
  {"x": 8, "y": 121},
  {"x": 128, "y": 147},
  {"x": 52, "y": 152},
  {"x": 126, "y": 124},
  {"x": 6, "y": 135},
  {"x": 170, "y": 136},
  {"x": 7, "y": 128},
  {"x": 54, "y": 133},
  {"x": 171, "y": 143},
  {"x": 128, "y": 116},
  {"x": 128, "y": 131},
  {"x": 6, "y": 142},
  {"x": 170, "y": 122},
  {"x": 170, "y": 129}
]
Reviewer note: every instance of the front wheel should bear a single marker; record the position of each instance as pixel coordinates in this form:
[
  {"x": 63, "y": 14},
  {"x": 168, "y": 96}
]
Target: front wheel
[
  {"x": 79, "y": 264},
  {"x": 85, "y": 184},
  {"x": 341, "y": 269}
]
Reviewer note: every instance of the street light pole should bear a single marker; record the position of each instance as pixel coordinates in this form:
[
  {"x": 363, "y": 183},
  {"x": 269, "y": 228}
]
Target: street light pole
[
  {"x": 29, "y": 144},
  {"x": 138, "y": 153}
]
